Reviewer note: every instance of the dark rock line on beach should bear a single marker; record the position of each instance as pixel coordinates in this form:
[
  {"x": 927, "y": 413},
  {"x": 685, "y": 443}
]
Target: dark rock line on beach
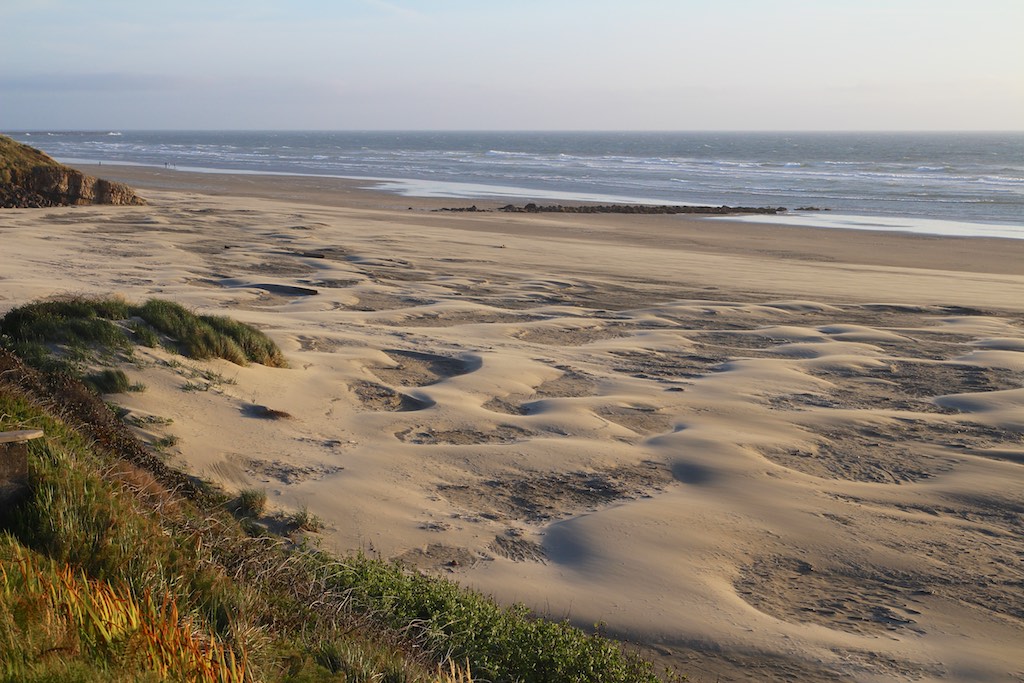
[{"x": 626, "y": 208}]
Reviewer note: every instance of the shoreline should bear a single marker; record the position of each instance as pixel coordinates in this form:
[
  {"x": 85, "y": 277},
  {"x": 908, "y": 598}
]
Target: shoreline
[
  {"x": 726, "y": 235},
  {"x": 420, "y": 189},
  {"x": 759, "y": 452}
]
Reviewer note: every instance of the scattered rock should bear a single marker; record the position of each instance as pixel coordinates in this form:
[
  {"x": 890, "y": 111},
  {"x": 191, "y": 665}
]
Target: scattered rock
[{"x": 641, "y": 209}]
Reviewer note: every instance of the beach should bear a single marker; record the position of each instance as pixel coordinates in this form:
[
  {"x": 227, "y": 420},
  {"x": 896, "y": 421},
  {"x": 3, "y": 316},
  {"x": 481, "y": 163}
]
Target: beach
[{"x": 758, "y": 452}]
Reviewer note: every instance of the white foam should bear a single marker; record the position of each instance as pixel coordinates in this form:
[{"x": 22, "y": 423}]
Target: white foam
[
  {"x": 451, "y": 190},
  {"x": 418, "y": 188},
  {"x": 919, "y": 226}
]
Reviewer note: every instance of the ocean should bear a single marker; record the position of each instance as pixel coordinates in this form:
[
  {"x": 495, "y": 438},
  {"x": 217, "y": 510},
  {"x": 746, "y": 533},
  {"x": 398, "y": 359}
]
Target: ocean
[{"x": 954, "y": 183}]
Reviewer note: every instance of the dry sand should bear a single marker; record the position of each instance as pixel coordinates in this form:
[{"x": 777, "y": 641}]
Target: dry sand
[{"x": 766, "y": 453}]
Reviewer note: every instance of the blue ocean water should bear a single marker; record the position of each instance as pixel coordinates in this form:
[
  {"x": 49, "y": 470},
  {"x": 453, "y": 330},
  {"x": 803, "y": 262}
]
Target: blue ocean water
[{"x": 958, "y": 177}]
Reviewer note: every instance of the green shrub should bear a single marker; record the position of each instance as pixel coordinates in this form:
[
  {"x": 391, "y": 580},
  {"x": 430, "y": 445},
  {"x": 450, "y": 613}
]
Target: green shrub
[
  {"x": 165, "y": 442},
  {"x": 256, "y": 346}
]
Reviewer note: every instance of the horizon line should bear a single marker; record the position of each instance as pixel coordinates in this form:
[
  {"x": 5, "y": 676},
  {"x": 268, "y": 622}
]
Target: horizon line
[{"x": 111, "y": 129}]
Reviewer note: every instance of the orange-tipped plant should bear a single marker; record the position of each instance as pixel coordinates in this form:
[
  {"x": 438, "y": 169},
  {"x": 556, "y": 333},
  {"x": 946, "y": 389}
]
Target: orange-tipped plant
[{"x": 113, "y": 625}]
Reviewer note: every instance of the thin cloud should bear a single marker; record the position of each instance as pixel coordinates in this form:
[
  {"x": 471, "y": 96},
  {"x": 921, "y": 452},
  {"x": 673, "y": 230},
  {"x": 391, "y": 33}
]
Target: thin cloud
[{"x": 97, "y": 82}]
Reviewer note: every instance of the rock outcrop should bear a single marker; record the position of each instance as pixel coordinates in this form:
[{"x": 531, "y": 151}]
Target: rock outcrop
[{"x": 31, "y": 179}]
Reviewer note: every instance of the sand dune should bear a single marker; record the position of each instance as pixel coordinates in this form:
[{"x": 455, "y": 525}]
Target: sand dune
[{"x": 759, "y": 461}]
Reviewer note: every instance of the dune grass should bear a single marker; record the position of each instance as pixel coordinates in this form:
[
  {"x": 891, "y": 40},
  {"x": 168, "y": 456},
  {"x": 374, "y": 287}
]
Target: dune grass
[
  {"x": 107, "y": 524},
  {"x": 251, "y": 502},
  {"x": 210, "y": 336},
  {"x": 111, "y": 381},
  {"x": 70, "y": 323}
]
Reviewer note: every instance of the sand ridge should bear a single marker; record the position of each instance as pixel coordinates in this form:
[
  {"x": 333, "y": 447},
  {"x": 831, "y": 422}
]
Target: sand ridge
[{"x": 746, "y": 461}]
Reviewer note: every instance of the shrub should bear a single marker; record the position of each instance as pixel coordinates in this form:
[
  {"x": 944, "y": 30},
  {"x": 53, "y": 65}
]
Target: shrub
[{"x": 104, "y": 622}]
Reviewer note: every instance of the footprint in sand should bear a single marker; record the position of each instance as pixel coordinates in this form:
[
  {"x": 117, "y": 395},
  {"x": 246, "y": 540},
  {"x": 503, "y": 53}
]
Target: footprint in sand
[
  {"x": 512, "y": 546},
  {"x": 331, "y": 283},
  {"x": 666, "y": 365},
  {"x": 380, "y": 301},
  {"x": 907, "y": 386},
  {"x": 644, "y": 420},
  {"x": 322, "y": 344}
]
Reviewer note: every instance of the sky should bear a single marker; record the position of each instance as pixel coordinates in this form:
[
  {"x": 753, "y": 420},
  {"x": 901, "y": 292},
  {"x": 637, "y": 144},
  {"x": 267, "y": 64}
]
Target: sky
[{"x": 514, "y": 65}]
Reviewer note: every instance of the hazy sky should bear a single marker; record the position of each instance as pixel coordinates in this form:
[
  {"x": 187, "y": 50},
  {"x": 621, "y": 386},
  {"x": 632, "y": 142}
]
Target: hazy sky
[{"x": 523, "y": 64}]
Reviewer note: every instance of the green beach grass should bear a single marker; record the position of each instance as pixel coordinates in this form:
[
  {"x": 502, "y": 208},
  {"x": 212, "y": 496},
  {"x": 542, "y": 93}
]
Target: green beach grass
[{"x": 58, "y": 334}]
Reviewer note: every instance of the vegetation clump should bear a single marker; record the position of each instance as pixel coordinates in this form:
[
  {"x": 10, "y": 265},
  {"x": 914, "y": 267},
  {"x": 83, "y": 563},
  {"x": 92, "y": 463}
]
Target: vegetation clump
[
  {"x": 111, "y": 381},
  {"x": 251, "y": 502},
  {"x": 74, "y": 324},
  {"x": 210, "y": 336}
]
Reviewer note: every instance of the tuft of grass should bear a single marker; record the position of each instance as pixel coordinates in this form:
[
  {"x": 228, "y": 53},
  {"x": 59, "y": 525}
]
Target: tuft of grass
[
  {"x": 166, "y": 442},
  {"x": 69, "y": 321},
  {"x": 304, "y": 520},
  {"x": 251, "y": 502},
  {"x": 209, "y": 336},
  {"x": 111, "y": 381}
]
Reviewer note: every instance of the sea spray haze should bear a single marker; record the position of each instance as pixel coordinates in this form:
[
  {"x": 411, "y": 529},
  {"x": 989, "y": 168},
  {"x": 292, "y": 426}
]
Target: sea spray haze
[{"x": 970, "y": 177}]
